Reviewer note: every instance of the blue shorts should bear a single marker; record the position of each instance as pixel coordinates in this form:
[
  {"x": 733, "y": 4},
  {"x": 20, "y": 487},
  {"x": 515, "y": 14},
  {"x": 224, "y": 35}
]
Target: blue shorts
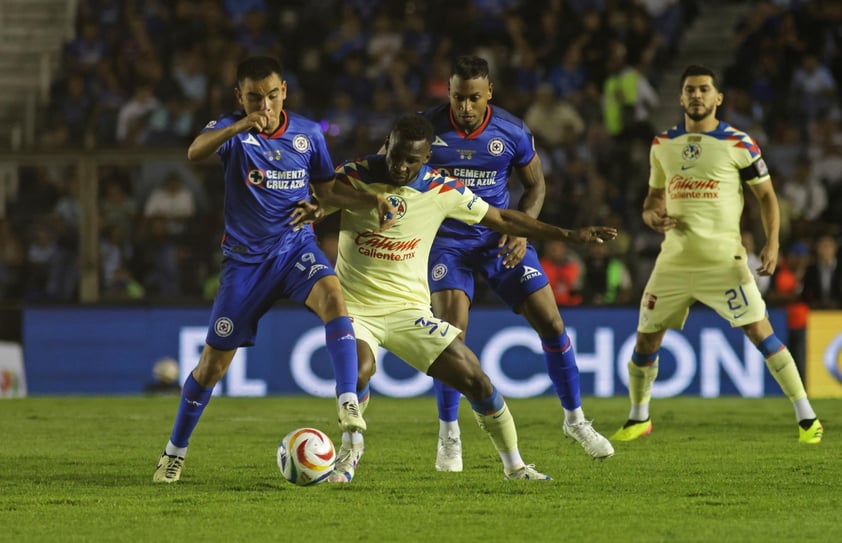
[
  {"x": 248, "y": 290},
  {"x": 452, "y": 266}
]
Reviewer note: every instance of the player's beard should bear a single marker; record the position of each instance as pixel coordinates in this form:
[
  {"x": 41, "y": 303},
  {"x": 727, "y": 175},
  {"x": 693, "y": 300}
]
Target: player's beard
[{"x": 697, "y": 116}]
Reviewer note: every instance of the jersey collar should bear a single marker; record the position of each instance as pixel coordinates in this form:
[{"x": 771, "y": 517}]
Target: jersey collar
[
  {"x": 281, "y": 129},
  {"x": 475, "y": 134}
]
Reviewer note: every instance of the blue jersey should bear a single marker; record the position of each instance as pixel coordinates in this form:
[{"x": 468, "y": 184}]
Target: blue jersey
[
  {"x": 265, "y": 175},
  {"x": 482, "y": 160}
]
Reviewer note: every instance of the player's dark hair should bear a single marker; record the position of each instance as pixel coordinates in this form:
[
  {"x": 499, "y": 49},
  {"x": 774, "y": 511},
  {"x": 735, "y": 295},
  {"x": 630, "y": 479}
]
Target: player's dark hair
[
  {"x": 700, "y": 69},
  {"x": 256, "y": 68},
  {"x": 414, "y": 127},
  {"x": 470, "y": 67}
]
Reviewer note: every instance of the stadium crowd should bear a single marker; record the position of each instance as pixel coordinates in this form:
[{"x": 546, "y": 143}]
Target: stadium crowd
[{"x": 149, "y": 74}]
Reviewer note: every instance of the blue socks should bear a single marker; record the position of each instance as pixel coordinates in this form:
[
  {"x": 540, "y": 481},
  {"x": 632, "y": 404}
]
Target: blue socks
[
  {"x": 341, "y": 343},
  {"x": 447, "y": 399},
  {"x": 770, "y": 346},
  {"x": 194, "y": 399},
  {"x": 562, "y": 369},
  {"x": 644, "y": 359},
  {"x": 490, "y": 405}
]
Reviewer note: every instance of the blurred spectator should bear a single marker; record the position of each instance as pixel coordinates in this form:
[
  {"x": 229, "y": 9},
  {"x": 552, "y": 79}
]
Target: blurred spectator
[
  {"x": 813, "y": 90},
  {"x": 255, "y": 37},
  {"x": 64, "y": 266},
  {"x": 383, "y": 45},
  {"x": 173, "y": 202},
  {"x": 379, "y": 119},
  {"x": 563, "y": 268},
  {"x": 73, "y": 107},
  {"x": 352, "y": 79},
  {"x": 806, "y": 192},
  {"x": 607, "y": 279},
  {"x": 237, "y": 10},
  {"x": 109, "y": 98},
  {"x": 823, "y": 278},
  {"x": 628, "y": 98},
  {"x": 553, "y": 123},
  {"x": 569, "y": 76},
  {"x": 115, "y": 252},
  {"x": 116, "y": 208},
  {"x": 40, "y": 254},
  {"x": 12, "y": 259},
  {"x": 158, "y": 259},
  {"x": 189, "y": 71},
  {"x": 85, "y": 52},
  {"x": 741, "y": 112},
  {"x": 133, "y": 118},
  {"x": 170, "y": 123},
  {"x": 347, "y": 39},
  {"x": 123, "y": 287}
]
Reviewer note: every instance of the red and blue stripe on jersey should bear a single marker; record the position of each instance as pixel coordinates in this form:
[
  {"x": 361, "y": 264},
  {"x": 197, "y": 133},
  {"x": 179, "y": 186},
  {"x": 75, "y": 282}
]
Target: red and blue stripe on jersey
[{"x": 723, "y": 131}]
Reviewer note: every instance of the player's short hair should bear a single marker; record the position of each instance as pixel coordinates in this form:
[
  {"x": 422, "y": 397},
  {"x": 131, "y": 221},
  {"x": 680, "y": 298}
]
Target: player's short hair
[
  {"x": 700, "y": 69},
  {"x": 258, "y": 67},
  {"x": 470, "y": 67},
  {"x": 414, "y": 127}
]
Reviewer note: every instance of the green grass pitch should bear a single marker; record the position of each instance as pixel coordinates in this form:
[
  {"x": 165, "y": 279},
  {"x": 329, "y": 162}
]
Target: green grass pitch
[{"x": 728, "y": 469}]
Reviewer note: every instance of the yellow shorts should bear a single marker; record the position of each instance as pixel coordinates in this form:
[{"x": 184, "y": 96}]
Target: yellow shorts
[
  {"x": 731, "y": 291},
  {"x": 414, "y": 335}
]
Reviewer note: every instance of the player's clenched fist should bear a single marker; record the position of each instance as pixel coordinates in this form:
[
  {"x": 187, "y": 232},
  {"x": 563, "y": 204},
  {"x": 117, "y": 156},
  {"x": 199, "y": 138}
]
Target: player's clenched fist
[{"x": 258, "y": 120}]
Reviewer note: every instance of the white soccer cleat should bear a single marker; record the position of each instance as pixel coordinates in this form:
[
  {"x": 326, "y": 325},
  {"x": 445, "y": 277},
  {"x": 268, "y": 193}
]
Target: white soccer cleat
[
  {"x": 528, "y": 472},
  {"x": 169, "y": 469},
  {"x": 449, "y": 454},
  {"x": 350, "y": 418},
  {"x": 592, "y": 441},
  {"x": 346, "y": 463}
]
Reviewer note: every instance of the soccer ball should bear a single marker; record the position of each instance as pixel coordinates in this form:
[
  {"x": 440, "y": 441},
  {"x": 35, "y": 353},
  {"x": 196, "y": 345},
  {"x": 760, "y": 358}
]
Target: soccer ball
[{"x": 306, "y": 456}]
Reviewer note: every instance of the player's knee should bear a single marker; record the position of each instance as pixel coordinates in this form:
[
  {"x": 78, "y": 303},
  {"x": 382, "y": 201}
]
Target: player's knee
[
  {"x": 647, "y": 343},
  {"x": 476, "y": 384}
]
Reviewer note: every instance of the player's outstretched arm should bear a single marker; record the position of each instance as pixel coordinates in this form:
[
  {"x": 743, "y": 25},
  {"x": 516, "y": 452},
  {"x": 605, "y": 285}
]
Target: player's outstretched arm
[
  {"x": 337, "y": 194},
  {"x": 517, "y": 223},
  {"x": 208, "y": 142}
]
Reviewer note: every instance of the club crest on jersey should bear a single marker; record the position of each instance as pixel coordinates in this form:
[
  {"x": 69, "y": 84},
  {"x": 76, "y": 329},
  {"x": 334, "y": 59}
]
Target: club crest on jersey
[
  {"x": 691, "y": 151},
  {"x": 256, "y": 176},
  {"x": 438, "y": 272},
  {"x": 399, "y": 203},
  {"x": 496, "y": 146},
  {"x": 223, "y": 326},
  {"x": 300, "y": 143}
]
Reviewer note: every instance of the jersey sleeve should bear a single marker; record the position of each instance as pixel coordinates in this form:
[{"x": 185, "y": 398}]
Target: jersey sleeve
[
  {"x": 657, "y": 177},
  {"x": 321, "y": 165},
  {"x": 222, "y": 122},
  {"x": 525, "y": 148},
  {"x": 465, "y": 206},
  {"x": 749, "y": 159}
]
